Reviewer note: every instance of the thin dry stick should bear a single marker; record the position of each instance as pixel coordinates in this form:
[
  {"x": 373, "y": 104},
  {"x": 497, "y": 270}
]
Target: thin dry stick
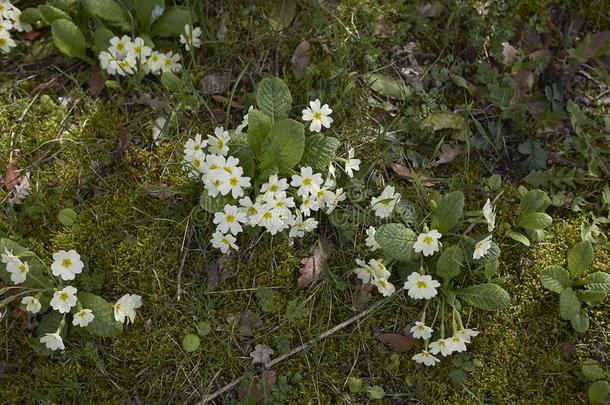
[{"x": 296, "y": 350}]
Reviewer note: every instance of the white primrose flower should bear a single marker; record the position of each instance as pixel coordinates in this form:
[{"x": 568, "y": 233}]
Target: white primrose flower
[
  {"x": 309, "y": 204},
  {"x": 281, "y": 202},
  {"x": 233, "y": 182},
  {"x": 83, "y": 318},
  {"x": 18, "y": 269},
  {"x": 250, "y": 209},
  {"x": 31, "y": 304},
  {"x": 5, "y": 27},
  {"x": 441, "y": 346},
  {"x": 119, "y": 46},
  {"x": 300, "y": 226},
  {"x": 66, "y": 264},
  {"x": 334, "y": 198},
  {"x": 53, "y": 341},
  {"x": 191, "y": 37},
  {"x": 154, "y": 63},
  {"x": 385, "y": 203},
  {"x": 425, "y": 358},
  {"x": 194, "y": 164},
  {"x": 194, "y": 145},
  {"x": 364, "y": 272},
  {"x": 489, "y": 213},
  {"x": 6, "y": 7},
  {"x": 370, "y": 239},
  {"x": 466, "y": 334},
  {"x": 421, "y": 286},
  {"x": 125, "y": 308},
  {"x": 169, "y": 62},
  {"x": 308, "y": 182},
  {"x": 379, "y": 269},
  {"x": 481, "y": 248},
  {"x": 64, "y": 299},
  {"x": 332, "y": 172},
  {"x": 6, "y": 43},
  {"x": 351, "y": 164},
  {"x": 271, "y": 219},
  {"x": 108, "y": 62},
  {"x": 126, "y": 66},
  {"x": 244, "y": 122},
  {"x": 384, "y": 286},
  {"x": 19, "y": 25},
  {"x": 421, "y": 331},
  {"x": 428, "y": 242},
  {"x": 230, "y": 220},
  {"x": 138, "y": 49},
  {"x": 456, "y": 343},
  {"x": 273, "y": 186},
  {"x": 217, "y": 143},
  {"x": 8, "y": 256},
  {"x": 318, "y": 115},
  {"x": 224, "y": 242}
]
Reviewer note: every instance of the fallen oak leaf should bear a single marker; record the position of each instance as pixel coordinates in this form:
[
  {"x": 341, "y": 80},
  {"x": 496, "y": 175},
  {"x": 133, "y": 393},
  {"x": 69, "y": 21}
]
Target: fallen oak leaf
[
  {"x": 397, "y": 342},
  {"x": 312, "y": 266},
  {"x": 261, "y": 354},
  {"x": 11, "y": 177},
  {"x": 245, "y": 322},
  {"x": 447, "y": 155},
  {"x": 404, "y": 171}
]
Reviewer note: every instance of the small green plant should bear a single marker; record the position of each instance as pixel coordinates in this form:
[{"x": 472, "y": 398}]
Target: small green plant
[
  {"x": 532, "y": 218},
  {"x": 576, "y": 287},
  {"x": 599, "y": 387}
]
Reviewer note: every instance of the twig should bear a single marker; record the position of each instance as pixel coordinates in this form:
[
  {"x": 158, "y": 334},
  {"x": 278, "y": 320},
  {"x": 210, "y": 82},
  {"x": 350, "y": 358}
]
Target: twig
[
  {"x": 186, "y": 241},
  {"x": 296, "y": 350}
]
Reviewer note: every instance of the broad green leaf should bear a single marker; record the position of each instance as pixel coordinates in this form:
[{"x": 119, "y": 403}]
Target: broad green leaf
[
  {"x": 283, "y": 149},
  {"x": 569, "y": 304},
  {"x": 282, "y": 14},
  {"x": 246, "y": 159},
  {"x": 396, "y": 240},
  {"x": 172, "y": 22},
  {"x": 448, "y": 212},
  {"x": 387, "y": 86},
  {"x": 69, "y": 39},
  {"x": 171, "y": 82},
  {"x": 67, "y": 216},
  {"x": 273, "y": 98},
  {"x": 533, "y": 201},
  {"x": 108, "y": 10},
  {"x": 259, "y": 128},
  {"x": 592, "y": 297},
  {"x": 488, "y": 297},
  {"x": 49, "y": 323},
  {"x": 580, "y": 322},
  {"x": 449, "y": 263},
  {"x": 319, "y": 151},
  {"x": 190, "y": 342},
  {"x": 101, "y": 39},
  {"x": 555, "y": 278},
  {"x": 49, "y": 14},
  {"x": 580, "y": 258},
  {"x": 375, "y": 392},
  {"x": 535, "y": 220},
  {"x": 147, "y": 11},
  {"x": 492, "y": 254},
  {"x": 103, "y": 323},
  {"x": 598, "y": 392},
  {"x": 592, "y": 371},
  {"x": 598, "y": 281},
  {"x": 30, "y": 15},
  {"x": 491, "y": 269},
  {"x": 519, "y": 237}
]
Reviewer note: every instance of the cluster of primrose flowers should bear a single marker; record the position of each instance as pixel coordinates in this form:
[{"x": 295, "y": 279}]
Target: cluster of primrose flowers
[
  {"x": 66, "y": 265},
  {"x": 126, "y": 56},
  {"x": 280, "y": 204},
  {"x": 421, "y": 286},
  {"x": 10, "y": 19}
]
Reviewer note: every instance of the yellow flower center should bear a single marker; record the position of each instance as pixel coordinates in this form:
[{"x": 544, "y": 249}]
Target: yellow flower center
[
  {"x": 3, "y": 41},
  {"x": 233, "y": 181},
  {"x": 63, "y": 296},
  {"x": 230, "y": 218},
  {"x": 428, "y": 239},
  {"x": 197, "y": 163},
  {"x": 279, "y": 203},
  {"x": 421, "y": 284},
  {"x": 66, "y": 263},
  {"x": 197, "y": 146},
  {"x": 120, "y": 46},
  {"x": 220, "y": 143},
  {"x": 267, "y": 215},
  {"x": 251, "y": 211},
  {"x": 307, "y": 181},
  {"x": 273, "y": 188},
  {"x": 421, "y": 327},
  {"x": 168, "y": 62},
  {"x": 213, "y": 166},
  {"x": 22, "y": 268},
  {"x": 225, "y": 241},
  {"x": 317, "y": 116},
  {"x": 117, "y": 307}
]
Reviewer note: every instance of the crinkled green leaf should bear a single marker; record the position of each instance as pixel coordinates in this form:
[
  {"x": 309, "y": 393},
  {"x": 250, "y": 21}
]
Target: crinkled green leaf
[
  {"x": 49, "y": 14},
  {"x": 439, "y": 121},
  {"x": 172, "y": 22},
  {"x": 282, "y": 14},
  {"x": 396, "y": 240},
  {"x": 488, "y": 297},
  {"x": 69, "y": 39},
  {"x": 387, "y": 86},
  {"x": 555, "y": 278},
  {"x": 598, "y": 281},
  {"x": 259, "y": 128},
  {"x": 519, "y": 237},
  {"x": 283, "y": 148},
  {"x": 569, "y": 304},
  {"x": 103, "y": 323},
  {"x": 273, "y": 98},
  {"x": 535, "y": 220},
  {"x": 580, "y": 322},
  {"x": 108, "y": 10},
  {"x": 592, "y": 297},
  {"x": 580, "y": 258},
  {"x": 449, "y": 263},
  {"x": 319, "y": 151},
  {"x": 533, "y": 201},
  {"x": 448, "y": 212}
]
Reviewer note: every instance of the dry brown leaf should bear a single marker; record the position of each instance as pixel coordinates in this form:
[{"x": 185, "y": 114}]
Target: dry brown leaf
[
  {"x": 21, "y": 191},
  {"x": 300, "y": 57},
  {"x": 11, "y": 177},
  {"x": 363, "y": 296},
  {"x": 218, "y": 271},
  {"x": 245, "y": 322},
  {"x": 312, "y": 267},
  {"x": 523, "y": 82},
  {"x": 255, "y": 389},
  {"x": 447, "y": 155},
  {"x": 223, "y": 100},
  {"x": 159, "y": 190},
  {"x": 404, "y": 171},
  {"x": 96, "y": 81},
  {"x": 397, "y": 342}
]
